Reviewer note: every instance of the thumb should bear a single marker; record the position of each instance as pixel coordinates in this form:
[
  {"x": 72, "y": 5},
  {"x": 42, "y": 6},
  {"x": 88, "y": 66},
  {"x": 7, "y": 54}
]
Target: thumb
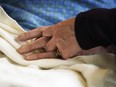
[{"x": 61, "y": 44}]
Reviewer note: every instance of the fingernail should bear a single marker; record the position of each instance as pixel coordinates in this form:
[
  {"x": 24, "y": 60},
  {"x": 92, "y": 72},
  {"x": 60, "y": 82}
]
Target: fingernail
[
  {"x": 21, "y": 49},
  {"x": 29, "y": 58},
  {"x": 20, "y": 37}
]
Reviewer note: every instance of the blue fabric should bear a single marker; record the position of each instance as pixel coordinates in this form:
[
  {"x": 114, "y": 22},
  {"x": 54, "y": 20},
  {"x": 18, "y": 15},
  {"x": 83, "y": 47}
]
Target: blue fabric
[{"x": 35, "y": 13}]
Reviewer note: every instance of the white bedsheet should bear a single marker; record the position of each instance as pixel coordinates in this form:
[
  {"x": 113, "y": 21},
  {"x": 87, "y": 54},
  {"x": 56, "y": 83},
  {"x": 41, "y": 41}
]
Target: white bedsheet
[{"x": 81, "y": 71}]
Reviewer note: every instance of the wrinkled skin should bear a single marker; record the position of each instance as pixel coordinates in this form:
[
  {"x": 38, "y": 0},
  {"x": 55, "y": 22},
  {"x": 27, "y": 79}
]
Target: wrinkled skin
[{"x": 59, "y": 37}]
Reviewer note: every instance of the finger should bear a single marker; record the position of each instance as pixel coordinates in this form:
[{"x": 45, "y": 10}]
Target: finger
[
  {"x": 31, "y": 34},
  {"x": 41, "y": 56},
  {"x": 39, "y": 43},
  {"x": 51, "y": 45},
  {"x": 48, "y": 32}
]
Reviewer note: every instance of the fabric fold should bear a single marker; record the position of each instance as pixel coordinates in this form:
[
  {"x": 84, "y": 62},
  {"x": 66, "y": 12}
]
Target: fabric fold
[{"x": 80, "y": 71}]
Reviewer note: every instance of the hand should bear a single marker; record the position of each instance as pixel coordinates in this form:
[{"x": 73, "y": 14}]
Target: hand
[
  {"x": 30, "y": 49},
  {"x": 57, "y": 37},
  {"x": 63, "y": 38}
]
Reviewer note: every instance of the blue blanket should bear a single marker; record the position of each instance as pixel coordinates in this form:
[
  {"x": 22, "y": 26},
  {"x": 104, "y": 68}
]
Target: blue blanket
[{"x": 35, "y": 13}]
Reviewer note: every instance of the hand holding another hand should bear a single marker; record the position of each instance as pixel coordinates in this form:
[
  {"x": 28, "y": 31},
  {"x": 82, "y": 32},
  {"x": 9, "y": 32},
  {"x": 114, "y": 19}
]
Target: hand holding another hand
[{"x": 59, "y": 37}]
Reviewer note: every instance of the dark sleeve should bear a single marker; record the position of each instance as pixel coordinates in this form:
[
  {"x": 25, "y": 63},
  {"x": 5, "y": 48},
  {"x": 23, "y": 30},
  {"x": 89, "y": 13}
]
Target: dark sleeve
[{"x": 96, "y": 27}]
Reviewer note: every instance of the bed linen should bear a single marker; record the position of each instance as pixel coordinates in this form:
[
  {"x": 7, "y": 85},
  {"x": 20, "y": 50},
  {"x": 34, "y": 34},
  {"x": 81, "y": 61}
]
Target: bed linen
[{"x": 82, "y": 71}]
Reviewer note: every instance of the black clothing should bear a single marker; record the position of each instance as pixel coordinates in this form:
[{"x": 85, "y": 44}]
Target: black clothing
[{"x": 96, "y": 27}]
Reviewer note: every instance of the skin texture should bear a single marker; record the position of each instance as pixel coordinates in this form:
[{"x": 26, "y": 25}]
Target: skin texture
[{"x": 57, "y": 38}]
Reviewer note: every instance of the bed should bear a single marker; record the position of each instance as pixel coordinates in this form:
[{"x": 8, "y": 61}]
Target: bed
[{"x": 82, "y": 71}]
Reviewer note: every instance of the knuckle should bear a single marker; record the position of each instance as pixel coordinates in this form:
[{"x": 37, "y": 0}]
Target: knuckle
[
  {"x": 50, "y": 47},
  {"x": 45, "y": 39},
  {"x": 39, "y": 43},
  {"x": 42, "y": 28},
  {"x": 42, "y": 41},
  {"x": 47, "y": 31}
]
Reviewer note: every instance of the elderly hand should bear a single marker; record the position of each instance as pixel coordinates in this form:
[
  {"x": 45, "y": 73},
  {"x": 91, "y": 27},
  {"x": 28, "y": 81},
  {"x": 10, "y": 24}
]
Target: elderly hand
[{"x": 59, "y": 37}]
